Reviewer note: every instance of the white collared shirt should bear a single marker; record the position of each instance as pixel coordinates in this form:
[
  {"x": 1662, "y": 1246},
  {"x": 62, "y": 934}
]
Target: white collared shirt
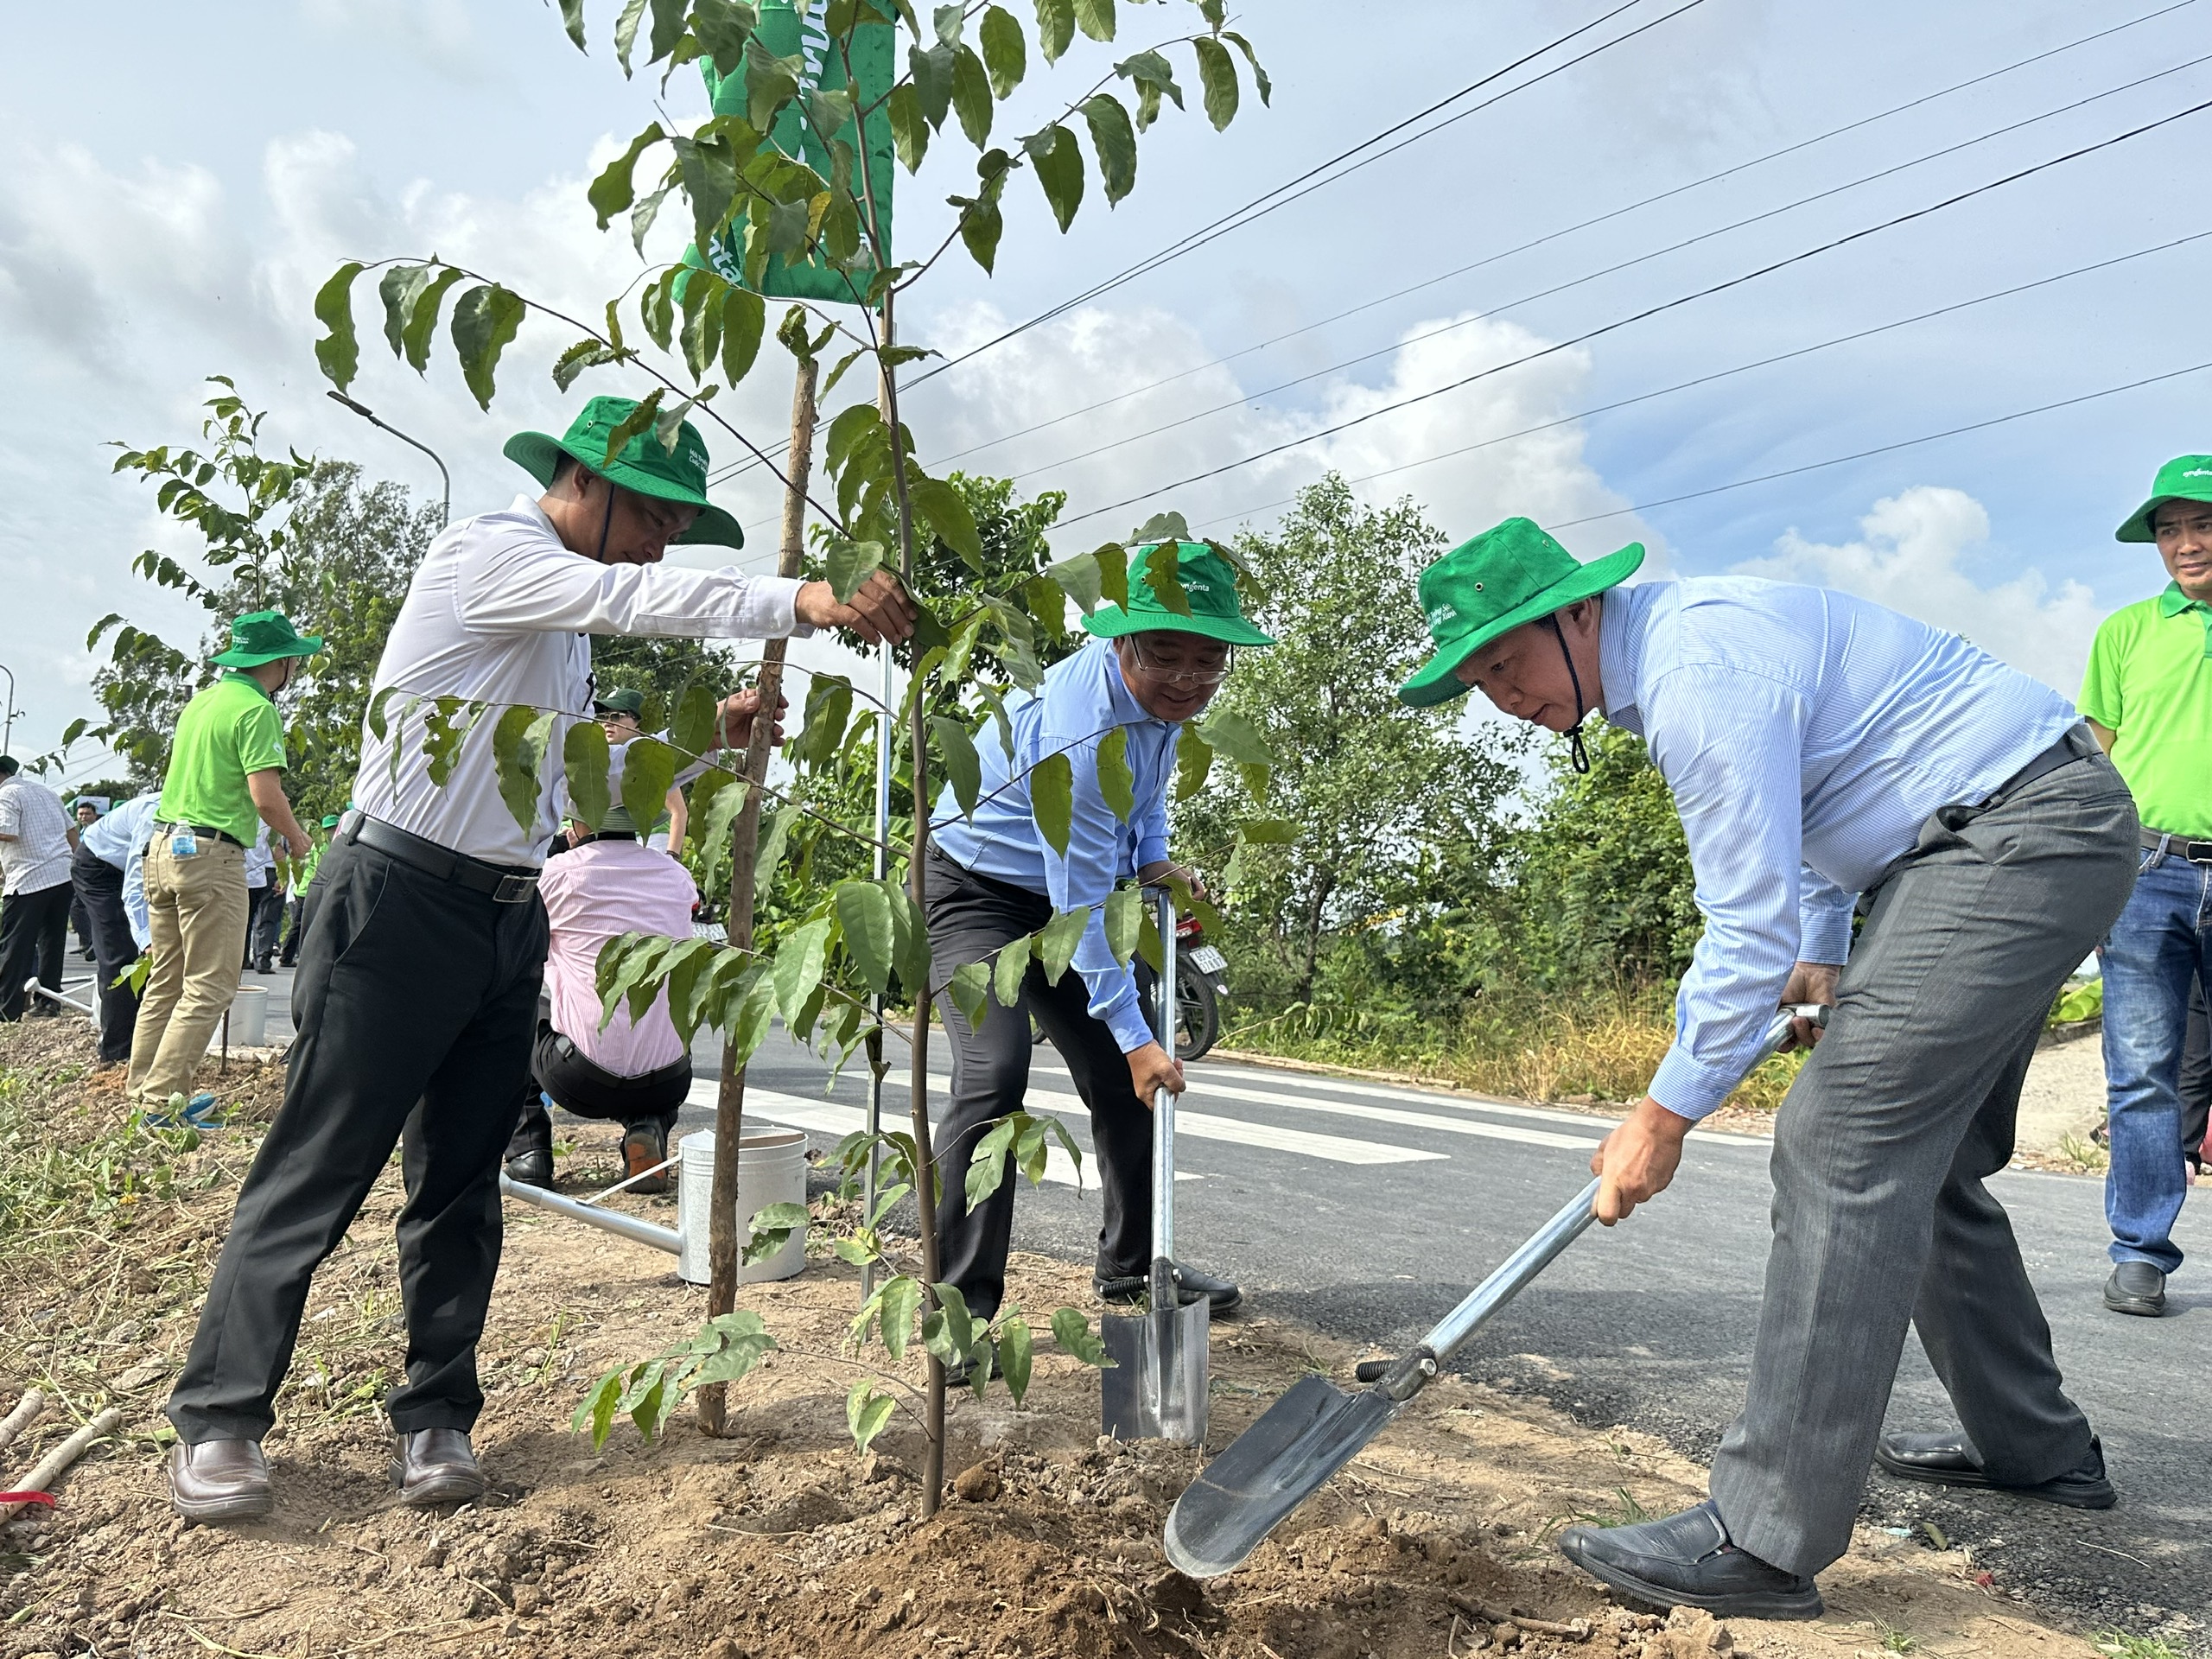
[{"x": 501, "y": 611}]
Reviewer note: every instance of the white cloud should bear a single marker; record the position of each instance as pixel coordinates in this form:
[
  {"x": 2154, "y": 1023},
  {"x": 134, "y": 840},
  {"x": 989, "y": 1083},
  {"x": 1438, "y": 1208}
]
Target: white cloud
[{"x": 1909, "y": 557}]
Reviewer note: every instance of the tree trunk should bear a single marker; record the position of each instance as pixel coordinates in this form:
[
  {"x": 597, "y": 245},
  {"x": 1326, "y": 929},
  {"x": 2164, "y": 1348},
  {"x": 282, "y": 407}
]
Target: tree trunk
[{"x": 722, "y": 1237}]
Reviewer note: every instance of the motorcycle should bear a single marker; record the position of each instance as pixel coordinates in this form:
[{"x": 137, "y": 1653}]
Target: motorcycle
[{"x": 1200, "y": 984}]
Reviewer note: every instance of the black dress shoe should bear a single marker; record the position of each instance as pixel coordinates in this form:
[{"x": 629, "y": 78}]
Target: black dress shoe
[
  {"x": 1949, "y": 1460},
  {"x": 1190, "y": 1285},
  {"x": 219, "y": 1480},
  {"x": 1685, "y": 1561},
  {"x": 533, "y": 1168},
  {"x": 2135, "y": 1288},
  {"x": 435, "y": 1466}
]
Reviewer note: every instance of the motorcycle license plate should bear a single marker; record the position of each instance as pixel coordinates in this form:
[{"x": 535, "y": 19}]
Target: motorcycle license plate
[{"x": 1210, "y": 959}]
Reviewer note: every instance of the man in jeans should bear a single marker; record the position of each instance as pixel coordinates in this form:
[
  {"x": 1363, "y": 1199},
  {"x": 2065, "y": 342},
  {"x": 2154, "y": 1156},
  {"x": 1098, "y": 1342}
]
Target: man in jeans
[
  {"x": 36, "y": 841},
  {"x": 225, "y": 765},
  {"x": 2148, "y": 697}
]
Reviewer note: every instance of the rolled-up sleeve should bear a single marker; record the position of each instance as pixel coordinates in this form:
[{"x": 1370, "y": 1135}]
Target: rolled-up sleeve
[
  {"x": 1087, "y": 873},
  {"x": 519, "y": 583},
  {"x": 1731, "y": 752},
  {"x": 1824, "y": 919}
]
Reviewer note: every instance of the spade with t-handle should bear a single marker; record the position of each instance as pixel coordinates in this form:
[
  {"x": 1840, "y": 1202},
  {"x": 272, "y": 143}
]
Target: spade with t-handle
[{"x": 1303, "y": 1438}]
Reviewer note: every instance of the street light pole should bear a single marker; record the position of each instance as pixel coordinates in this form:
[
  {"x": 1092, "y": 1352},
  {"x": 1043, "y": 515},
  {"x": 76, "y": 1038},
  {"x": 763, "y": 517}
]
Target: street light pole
[
  {"x": 445, "y": 500},
  {"x": 7, "y": 725}
]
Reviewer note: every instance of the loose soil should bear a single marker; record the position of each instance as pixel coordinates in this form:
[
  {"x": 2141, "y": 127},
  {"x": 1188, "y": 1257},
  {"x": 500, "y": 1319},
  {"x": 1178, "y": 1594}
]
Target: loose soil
[{"x": 779, "y": 1542}]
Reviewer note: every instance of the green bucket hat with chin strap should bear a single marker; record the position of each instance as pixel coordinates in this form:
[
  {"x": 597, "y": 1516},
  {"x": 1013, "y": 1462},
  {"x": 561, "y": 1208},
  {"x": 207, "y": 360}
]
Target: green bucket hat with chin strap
[
  {"x": 261, "y": 636},
  {"x": 2185, "y": 478},
  {"x": 1209, "y": 584},
  {"x": 677, "y": 474},
  {"x": 622, "y": 700},
  {"x": 1511, "y": 574}
]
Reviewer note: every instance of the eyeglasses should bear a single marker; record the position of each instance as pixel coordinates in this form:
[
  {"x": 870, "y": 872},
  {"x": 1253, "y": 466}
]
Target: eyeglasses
[{"x": 1157, "y": 670}]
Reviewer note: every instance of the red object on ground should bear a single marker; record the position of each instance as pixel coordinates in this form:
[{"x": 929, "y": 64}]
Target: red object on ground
[{"x": 46, "y": 1498}]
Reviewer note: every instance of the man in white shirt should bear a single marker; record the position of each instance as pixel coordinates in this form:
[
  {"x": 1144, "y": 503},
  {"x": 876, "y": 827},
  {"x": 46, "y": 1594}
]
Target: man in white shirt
[
  {"x": 418, "y": 985},
  {"x": 109, "y": 875},
  {"x": 36, "y": 841}
]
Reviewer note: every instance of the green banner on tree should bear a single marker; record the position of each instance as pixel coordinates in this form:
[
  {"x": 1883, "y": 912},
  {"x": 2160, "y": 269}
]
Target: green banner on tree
[{"x": 787, "y": 34}]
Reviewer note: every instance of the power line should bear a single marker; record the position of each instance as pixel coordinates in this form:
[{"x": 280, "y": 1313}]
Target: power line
[
  {"x": 1724, "y": 374},
  {"x": 1884, "y": 449},
  {"x": 1648, "y": 312},
  {"x": 1600, "y": 218}
]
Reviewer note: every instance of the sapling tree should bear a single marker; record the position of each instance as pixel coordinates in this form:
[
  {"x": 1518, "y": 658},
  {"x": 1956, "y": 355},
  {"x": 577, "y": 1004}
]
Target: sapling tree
[{"x": 761, "y": 208}]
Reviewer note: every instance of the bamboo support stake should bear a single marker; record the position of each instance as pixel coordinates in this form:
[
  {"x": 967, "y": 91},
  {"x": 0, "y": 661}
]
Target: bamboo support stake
[
  {"x": 25, "y": 1414},
  {"x": 52, "y": 1466},
  {"x": 722, "y": 1237}
]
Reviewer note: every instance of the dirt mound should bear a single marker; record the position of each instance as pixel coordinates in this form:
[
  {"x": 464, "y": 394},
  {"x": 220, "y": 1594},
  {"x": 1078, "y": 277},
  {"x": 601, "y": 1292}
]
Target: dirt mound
[{"x": 779, "y": 1540}]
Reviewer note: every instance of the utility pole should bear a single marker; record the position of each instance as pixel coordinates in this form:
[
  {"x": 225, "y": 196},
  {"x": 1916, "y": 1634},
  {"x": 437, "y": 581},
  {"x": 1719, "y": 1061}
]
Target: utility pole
[
  {"x": 9, "y": 711},
  {"x": 445, "y": 497}
]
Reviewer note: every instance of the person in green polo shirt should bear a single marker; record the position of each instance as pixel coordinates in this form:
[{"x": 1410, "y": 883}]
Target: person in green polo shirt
[
  {"x": 2148, "y": 697},
  {"x": 223, "y": 784}
]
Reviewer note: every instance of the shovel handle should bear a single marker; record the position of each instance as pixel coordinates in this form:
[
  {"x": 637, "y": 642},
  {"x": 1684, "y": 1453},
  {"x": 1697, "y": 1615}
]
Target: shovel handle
[{"x": 1163, "y": 1102}]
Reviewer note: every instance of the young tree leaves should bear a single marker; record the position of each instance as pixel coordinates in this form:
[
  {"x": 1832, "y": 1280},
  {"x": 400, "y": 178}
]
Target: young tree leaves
[
  {"x": 1073, "y": 1333},
  {"x": 1004, "y": 53},
  {"x": 485, "y": 322},
  {"x": 971, "y": 96},
  {"x": 691, "y": 728},
  {"x": 584, "y": 765},
  {"x": 748, "y": 1025},
  {"x": 648, "y": 770},
  {"x": 1236, "y": 736},
  {"x": 910, "y": 133},
  {"x": 1056, "y": 941},
  {"x": 1260, "y": 80},
  {"x": 744, "y": 318},
  {"x": 717, "y": 799},
  {"x": 828, "y": 706},
  {"x": 1267, "y": 832},
  {"x": 1116, "y": 141},
  {"x": 1055, "y": 28},
  {"x": 770, "y": 1229},
  {"x": 864, "y": 912},
  {"x": 338, "y": 353},
  {"x": 584, "y": 355},
  {"x": 1124, "y": 920},
  {"x": 971, "y": 992},
  {"x": 799, "y": 961},
  {"x": 1218, "y": 75},
  {"x": 1058, "y": 162},
  {"x": 1163, "y": 570},
  {"x": 419, "y": 320},
  {"x": 572, "y": 19},
  {"x": 948, "y": 515},
  {"x": 1117, "y": 785},
  {"x": 1193, "y": 760},
  {"x": 867, "y": 1413},
  {"x": 1015, "y": 1347},
  {"x": 615, "y": 187},
  {"x": 1052, "y": 800},
  {"x": 1095, "y": 17},
  {"x": 1078, "y": 578},
  {"x": 910, "y": 937},
  {"x": 518, "y": 744},
  {"x": 848, "y": 564},
  {"x": 1008, "y": 969},
  {"x": 962, "y": 764}
]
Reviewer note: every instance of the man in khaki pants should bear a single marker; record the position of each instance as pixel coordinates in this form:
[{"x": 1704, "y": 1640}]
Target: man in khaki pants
[{"x": 222, "y": 783}]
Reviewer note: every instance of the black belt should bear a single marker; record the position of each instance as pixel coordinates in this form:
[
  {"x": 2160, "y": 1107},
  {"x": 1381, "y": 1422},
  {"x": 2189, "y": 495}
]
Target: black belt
[
  {"x": 506, "y": 885},
  {"x": 2076, "y": 745},
  {"x": 206, "y": 829},
  {"x": 2195, "y": 851}
]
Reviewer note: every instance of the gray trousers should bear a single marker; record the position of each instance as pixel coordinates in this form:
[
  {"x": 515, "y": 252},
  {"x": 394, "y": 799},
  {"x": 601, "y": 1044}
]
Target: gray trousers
[{"x": 1880, "y": 1151}]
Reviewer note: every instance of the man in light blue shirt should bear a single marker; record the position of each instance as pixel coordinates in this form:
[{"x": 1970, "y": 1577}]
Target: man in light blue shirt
[
  {"x": 109, "y": 871},
  {"x": 1827, "y": 754},
  {"x": 995, "y": 878}
]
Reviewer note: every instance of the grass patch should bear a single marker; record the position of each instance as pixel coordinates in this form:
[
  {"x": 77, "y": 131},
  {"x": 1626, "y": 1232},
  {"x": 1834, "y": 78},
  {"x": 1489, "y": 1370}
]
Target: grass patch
[
  {"x": 2083, "y": 1153},
  {"x": 2119, "y": 1645}
]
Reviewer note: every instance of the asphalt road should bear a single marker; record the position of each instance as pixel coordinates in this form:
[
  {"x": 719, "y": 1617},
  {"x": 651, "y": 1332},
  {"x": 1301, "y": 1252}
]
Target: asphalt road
[{"x": 1368, "y": 1210}]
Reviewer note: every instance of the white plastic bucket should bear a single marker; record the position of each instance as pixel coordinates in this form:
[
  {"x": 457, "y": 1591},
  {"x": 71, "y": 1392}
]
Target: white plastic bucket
[
  {"x": 771, "y": 1169},
  {"x": 249, "y": 1016}
]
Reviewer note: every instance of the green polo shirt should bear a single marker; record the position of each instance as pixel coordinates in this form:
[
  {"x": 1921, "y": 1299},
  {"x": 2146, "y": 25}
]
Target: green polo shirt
[
  {"x": 227, "y": 731},
  {"x": 2149, "y": 681}
]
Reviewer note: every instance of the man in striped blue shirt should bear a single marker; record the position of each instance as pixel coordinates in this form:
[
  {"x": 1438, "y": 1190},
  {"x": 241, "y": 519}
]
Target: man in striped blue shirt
[{"x": 1827, "y": 754}]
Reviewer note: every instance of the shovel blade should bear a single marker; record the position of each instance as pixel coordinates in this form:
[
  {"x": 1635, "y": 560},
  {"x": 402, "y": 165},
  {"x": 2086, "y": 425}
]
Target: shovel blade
[
  {"x": 1156, "y": 1388},
  {"x": 1268, "y": 1471}
]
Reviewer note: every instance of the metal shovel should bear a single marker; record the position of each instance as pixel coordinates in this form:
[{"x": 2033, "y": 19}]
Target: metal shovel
[
  {"x": 1316, "y": 1428},
  {"x": 1156, "y": 1388}
]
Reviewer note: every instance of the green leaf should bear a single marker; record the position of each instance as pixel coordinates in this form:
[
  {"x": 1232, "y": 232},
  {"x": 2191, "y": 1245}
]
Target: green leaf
[
  {"x": 1236, "y": 736},
  {"x": 1008, "y": 969},
  {"x": 484, "y": 322},
  {"x": 1148, "y": 935},
  {"x": 1073, "y": 1333},
  {"x": 962, "y": 764},
  {"x": 902, "y": 1298},
  {"x": 727, "y": 1347},
  {"x": 692, "y": 728},
  {"x": 584, "y": 765},
  {"x": 717, "y": 799},
  {"x": 1193, "y": 760},
  {"x": 518, "y": 742},
  {"x": 1096, "y": 18},
  {"x": 639, "y": 420},
  {"x": 970, "y": 986},
  {"x": 864, "y": 912},
  {"x": 1113, "y": 573},
  {"x": 744, "y": 317},
  {"x": 339, "y": 352},
  {"x": 1259, "y": 75},
  {"x": 1058, "y": 938},
  {"x": 584, "y": 355},
  {"x": 615, "y": 187},
  {"x": 1117, "y": 785},
  {"x": 1055, "y": 28},
  {"x": 1116, "y": 141},
  {"x": 1163, "y": 570},
  {"x": 1267, "y": 832},
  {"x": 1079, "y": 577},
  {"x": 1058, "y": 162},
  {"x": 799, "y": 961},
  {"x": 771, "y": 844},
  {"x": 950, "y": 515},
  {"x": 723, "y": 27},
  {"x": 1015, "y": 1345},
  {"x": 421, "y": 318},
  {"x": 910, "y": 937},
  {"x": 749, "y": 1026},
  {"x": 932, "y": 82},
  {"x": 848, "y": 564},
  {"x": 596, "y": 1412},
  {"x": 987, "y": 1166},
  {"x": 770, "y": 1229},
  {"x": 1124, "y": 921},
  {"x": 957, "y": 1332},
  {"x": 648, "y": 768},
  {"x": 668, "y": 29},
  {"x": 1218, "y": 75},
  {"x": 971, "y": 96},
  {"x": 1004, "y": 53},
  {"x": 867, "y": 1413},
  {"x": 1052, "y": 800},
  {"x": 625, "y": 32},
  {"x": 910, "y": 133},
  {"x": 398, "y": 288},
  {"x": 700, "y": 336},
  {"x": 828, "y": 706}
]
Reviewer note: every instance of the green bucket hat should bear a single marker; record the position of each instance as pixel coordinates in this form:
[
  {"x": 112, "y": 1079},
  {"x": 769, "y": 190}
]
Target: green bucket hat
[
  {"x": 1511, "y": 574},
  {"x": 261, "y": 636},
  {"x": 670, "y": 475},
  {"x": 623, "y": 700},
  {"x": 330, "y": 821},
  {"x": 2185, "y": 478},
  {"x": 1209, "y": 583}
]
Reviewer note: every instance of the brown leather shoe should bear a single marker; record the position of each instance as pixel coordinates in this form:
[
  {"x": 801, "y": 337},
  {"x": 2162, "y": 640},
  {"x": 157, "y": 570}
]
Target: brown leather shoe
[
  {"x": 644, "y": 1146},
  {"x": 219, "y": 1480},
  {"x": 435, "y": 1466}
]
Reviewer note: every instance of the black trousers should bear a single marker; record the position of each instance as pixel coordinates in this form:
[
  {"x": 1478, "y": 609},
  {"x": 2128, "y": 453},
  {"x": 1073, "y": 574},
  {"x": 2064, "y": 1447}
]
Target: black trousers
[
  {"x": 34, "y": 934},
  {"x": 413, "y": 1002},
  {"x": 80, "y": 920},
  {"x": 98, "y": 886},
  {"x": 580, "y": 1084},
  {"x": 265, "y": 910},
  {"x": 969, "y": 917},
  {"x": 299, "y": 910},
  {"x": 2197, "y": 1073}
]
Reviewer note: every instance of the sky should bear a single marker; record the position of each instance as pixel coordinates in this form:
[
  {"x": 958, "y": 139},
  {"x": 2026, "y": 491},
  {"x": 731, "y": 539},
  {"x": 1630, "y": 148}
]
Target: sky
[{"x": 167, "y": 213}]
